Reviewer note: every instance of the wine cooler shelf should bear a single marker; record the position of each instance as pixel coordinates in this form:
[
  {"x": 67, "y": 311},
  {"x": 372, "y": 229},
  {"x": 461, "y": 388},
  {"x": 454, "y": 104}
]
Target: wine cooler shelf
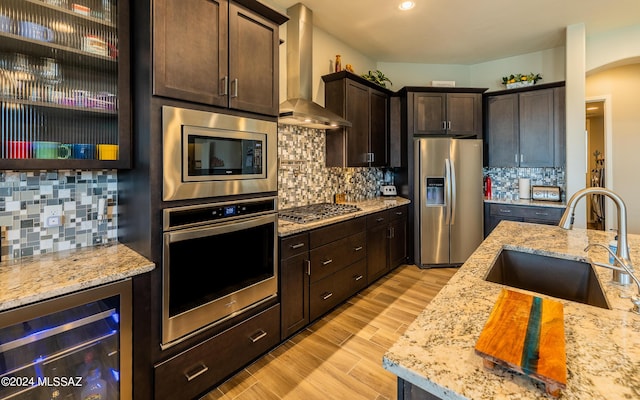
[{"x": 72, "y": 353}]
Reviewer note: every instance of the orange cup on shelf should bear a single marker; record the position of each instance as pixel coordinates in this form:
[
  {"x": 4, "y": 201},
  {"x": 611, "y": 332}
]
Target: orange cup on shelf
[{"x": 107, "y": 151}]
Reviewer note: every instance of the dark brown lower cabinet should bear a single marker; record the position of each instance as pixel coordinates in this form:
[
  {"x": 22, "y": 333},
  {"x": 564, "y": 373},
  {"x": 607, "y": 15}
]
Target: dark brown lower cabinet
[
  {"x": 386, "y": 241},
  {"x": 294, "y": 283},
  {"x": 322, "y": 268},
  {"x": 409, "y": 391},
  {"x": 496, "y": 212},
  {"x": 194, "y": 371}
]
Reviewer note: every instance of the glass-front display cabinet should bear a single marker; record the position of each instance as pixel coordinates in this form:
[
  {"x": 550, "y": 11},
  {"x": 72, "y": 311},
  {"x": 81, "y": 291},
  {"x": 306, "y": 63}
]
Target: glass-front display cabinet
[
  {"x": 64, "y": 84},
  {"x": 76, "y": 347}
]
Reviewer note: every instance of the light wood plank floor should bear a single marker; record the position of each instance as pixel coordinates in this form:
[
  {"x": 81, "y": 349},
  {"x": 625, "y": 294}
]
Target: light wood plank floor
[{"x": 340, "y": 355}]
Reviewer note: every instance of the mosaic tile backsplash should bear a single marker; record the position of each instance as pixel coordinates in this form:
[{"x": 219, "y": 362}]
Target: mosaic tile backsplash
[
  {"x": 504, "y": 181},
  {"x": 303, "y": 177},
  {"x": 86, "y": 200}
]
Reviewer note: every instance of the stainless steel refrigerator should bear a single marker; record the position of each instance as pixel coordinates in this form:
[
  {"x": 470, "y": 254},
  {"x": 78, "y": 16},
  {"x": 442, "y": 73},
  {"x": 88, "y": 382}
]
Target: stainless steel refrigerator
[{"x": 448, "y": 200}]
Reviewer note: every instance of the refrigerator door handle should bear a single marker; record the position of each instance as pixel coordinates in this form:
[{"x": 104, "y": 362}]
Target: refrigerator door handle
[
  {"x": 447, "y": 191},
  {"x": 452, "y": 195}
]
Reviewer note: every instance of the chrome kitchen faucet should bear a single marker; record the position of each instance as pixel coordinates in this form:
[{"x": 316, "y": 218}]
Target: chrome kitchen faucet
[{"x": 623, "y": 262}]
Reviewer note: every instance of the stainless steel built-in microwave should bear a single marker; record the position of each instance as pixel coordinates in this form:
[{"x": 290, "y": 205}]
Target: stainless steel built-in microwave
[{"x": 209, "y": 154}]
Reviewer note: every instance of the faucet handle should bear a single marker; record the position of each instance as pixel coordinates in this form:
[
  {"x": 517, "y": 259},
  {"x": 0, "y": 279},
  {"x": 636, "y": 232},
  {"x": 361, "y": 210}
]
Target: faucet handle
[{"x": 636, "y": 305}]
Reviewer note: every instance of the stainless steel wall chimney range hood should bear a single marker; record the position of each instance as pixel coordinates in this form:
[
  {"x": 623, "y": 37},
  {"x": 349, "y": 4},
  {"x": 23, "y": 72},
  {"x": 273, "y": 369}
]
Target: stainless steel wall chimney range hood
[{"x": 299, "y": 109}]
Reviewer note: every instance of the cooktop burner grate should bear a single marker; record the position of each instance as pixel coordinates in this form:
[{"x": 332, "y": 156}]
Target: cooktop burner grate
[{"x": 315, "y": 212}]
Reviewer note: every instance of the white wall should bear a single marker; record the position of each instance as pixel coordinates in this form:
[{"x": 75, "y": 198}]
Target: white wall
[
  {"x": 620, "y": 46},
  {"x": 622, "y": 85},
  {"x": 549, "y": 64},
  {"x": 407, "y": 74}
]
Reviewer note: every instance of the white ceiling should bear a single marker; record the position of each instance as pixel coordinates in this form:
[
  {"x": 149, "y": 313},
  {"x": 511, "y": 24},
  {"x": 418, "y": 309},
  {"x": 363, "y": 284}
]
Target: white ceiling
[{"x": 461, "y": 31}]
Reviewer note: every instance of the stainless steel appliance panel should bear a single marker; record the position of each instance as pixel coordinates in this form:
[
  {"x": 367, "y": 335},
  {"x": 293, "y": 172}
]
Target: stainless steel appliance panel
[
  {"x": 448, "y": 196},
  {"x": 467, "y": 214},
  {"x": 253, "y": 171},
  {"x": 235, "y": 243},
  {"x": 433, "y": 191}
]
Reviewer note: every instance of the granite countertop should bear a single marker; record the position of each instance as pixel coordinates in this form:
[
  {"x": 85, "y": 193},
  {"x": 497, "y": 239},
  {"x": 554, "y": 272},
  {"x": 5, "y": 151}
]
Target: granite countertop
[
  {"x": 527, "y": 202},
  {"x": 437, "y": 354},
  {"x": 369, "y": 206},
  {"x": 32, "y": 279}
]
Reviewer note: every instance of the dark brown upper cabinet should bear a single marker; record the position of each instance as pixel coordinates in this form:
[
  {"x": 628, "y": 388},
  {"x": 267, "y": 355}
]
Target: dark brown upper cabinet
[
  {"x": 445, "y": 113},
  {"x": 366, "y": 106},
  {"x": 64, "y": 85},
  {"x": 217, "y": 52},
  {"x": 525, "y": 128}
]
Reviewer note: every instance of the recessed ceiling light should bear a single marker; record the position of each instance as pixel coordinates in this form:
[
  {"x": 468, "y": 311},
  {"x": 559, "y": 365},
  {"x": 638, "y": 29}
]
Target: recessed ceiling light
[{"x": 406, "y": 5}]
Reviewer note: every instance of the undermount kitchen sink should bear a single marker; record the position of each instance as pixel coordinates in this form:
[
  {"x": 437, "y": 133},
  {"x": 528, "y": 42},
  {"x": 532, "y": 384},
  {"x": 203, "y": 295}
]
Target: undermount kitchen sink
[{"x": 565, "y": 279}]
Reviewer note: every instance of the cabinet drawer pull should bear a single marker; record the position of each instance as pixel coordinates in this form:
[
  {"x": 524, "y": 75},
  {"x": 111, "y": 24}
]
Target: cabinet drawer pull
[
  {"x": 380, "y": 219},
  {"x": 399, "y": 213},
  {"x": 357, "y": 278},
  {"x": 196, "y": 372},
  {"x": 326, "y": 295},
  {"x": 505, "y": 211},
  {"x": 392, "y": 233},
  {"x": 542, "y": 213},
  {"x": 234, "y": 86},
  {"x": 327, "y": 262},
  {"x": 297, "y": 246},
  {"x": 357, "y": 248},
  {"x": 257, "y": 336},
  {"x": 224, "y": 86}
]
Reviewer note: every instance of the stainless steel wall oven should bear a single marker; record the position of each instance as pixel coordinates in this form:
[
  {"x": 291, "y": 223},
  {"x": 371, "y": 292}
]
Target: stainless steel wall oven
[
  {"x": 208, "y": 154},
  {"x": 219, "y": 260}
]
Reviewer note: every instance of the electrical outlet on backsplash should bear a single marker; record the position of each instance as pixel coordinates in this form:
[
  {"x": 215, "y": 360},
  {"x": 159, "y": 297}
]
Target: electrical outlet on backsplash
[
  {"x": 26, "y": 197},
  {"x": 504, "y": 181},
  {"x": 303, "y": 177}
]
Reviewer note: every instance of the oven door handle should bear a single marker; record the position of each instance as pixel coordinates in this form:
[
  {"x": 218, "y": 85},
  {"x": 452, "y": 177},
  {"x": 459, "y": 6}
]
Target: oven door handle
[{"x": 220, "y": 228}]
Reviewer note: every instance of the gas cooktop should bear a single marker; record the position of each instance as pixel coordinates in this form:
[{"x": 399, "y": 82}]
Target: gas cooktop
[{"x": 315, "y": 212}]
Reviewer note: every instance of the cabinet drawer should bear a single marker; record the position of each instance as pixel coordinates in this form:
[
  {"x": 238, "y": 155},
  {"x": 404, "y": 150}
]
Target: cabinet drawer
[
  {"x": 190, "y": 373},
  {"x": 501, "y": 210},
  {"x": 328, "y": 234},
  {"x": 548, "y": 214},
  {"x": 398, "y": 212},
  {"x": 329, "y": 258},
  {"x": 334, "y": 289},
  {"x": 293, "y": 245},
  {"x": 377, "y": 219}
]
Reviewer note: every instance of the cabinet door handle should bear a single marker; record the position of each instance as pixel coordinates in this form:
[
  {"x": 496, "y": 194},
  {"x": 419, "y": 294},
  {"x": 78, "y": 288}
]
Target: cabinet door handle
[
  {"x": 196, "y": 372},
  {"x": 308, "y": 267},
  {"x": 444, "y": 125},
  {"x": 224, "y": 86},
  {"x": 327, "y": 262},
  {"x": 449, "y": 125},
  {"x": 521, "y": 157},
  {"x": 391, "y": 233},
  {"x": 357, "y": 248},
  {"x": 505, "y": 211},
  {"x": 257, "y": 336},
  {"x": 297, "y": 245},
  {"x": 234, "y": 86},
  {"x": 326, "y": 295},
  {"x": 516, "y": 158},
  {"x": 358, "y": 277},
  {"x": 542, "y": 213}
]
